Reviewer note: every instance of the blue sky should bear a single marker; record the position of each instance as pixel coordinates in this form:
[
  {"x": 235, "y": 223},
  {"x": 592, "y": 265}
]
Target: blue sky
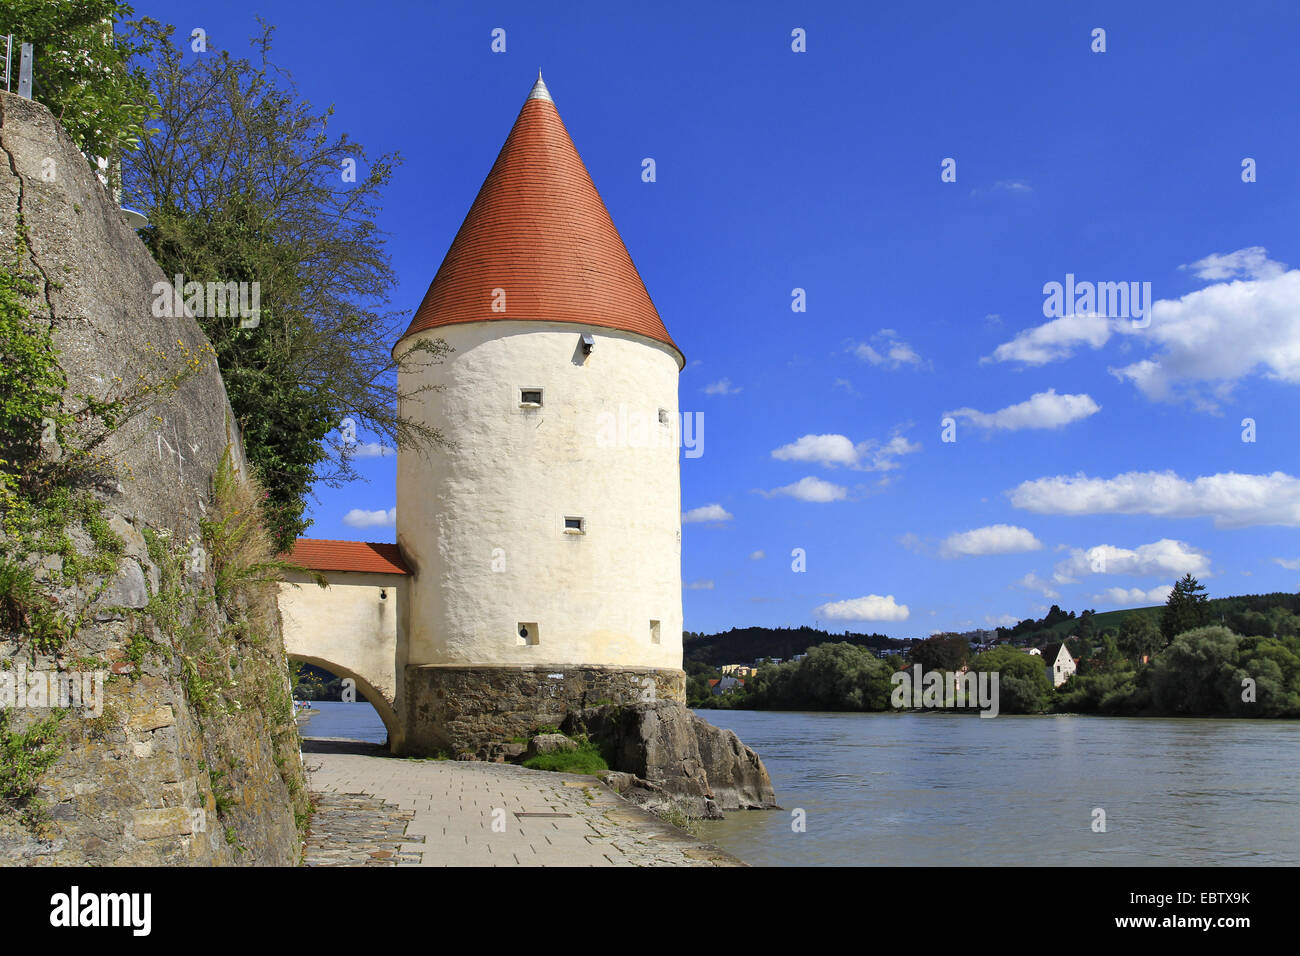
[{"x": 1096, "y": 457}]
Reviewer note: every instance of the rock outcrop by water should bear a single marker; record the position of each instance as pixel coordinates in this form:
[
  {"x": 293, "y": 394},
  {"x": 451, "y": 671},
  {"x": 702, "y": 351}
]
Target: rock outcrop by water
[
  {"x": 669, "y": 751},
  {"x": 159, "y": 777}
]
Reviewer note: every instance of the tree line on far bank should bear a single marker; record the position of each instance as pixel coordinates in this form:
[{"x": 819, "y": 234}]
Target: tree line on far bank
[{"x": 1178, "y": 664}]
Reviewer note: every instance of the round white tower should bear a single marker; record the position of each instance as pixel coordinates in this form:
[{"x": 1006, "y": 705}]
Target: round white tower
[{"x": 545, "y": 544}]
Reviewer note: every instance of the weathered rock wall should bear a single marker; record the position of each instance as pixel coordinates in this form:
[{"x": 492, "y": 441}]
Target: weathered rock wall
[
  {"x": 665, "y": 744},
  {"x": 181, "y": 767},
  {"x": 467, "y": 710}
]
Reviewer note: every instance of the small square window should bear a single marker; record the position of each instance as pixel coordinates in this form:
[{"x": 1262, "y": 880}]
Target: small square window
[
  {"x": 663, "y": 416},
  {"x": 654, "y": 632},
  {"x": 530, "y": 397},
  {"x": 575, "y": 525},
  {"x": 527, "y": 633}
]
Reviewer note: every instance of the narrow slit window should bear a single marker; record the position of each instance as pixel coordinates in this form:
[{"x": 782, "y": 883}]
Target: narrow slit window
[
  {"x": 663, "y": 416},
  {"x": 654, "y": 632},
  {"x": 530, "y": 397},
  {"x": 575, "y": 525}
]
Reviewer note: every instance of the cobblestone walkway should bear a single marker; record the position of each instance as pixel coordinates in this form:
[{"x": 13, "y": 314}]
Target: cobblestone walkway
[
  {"x": 377, "y": 810},
  {"x": 356, "y": 829}
]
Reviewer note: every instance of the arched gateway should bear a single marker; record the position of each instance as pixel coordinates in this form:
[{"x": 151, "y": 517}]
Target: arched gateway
[{"x": 349, "y": 628}]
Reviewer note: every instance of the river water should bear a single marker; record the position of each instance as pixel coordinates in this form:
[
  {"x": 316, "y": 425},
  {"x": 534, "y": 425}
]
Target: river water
[
  {"x": 942, "y": 789},
  {"x": 355, "y": 721}
]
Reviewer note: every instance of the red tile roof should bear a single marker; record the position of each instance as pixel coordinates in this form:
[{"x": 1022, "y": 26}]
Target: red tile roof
[
  {"x": 322, "y": 555},
  {"x": 539, "y": 231}
]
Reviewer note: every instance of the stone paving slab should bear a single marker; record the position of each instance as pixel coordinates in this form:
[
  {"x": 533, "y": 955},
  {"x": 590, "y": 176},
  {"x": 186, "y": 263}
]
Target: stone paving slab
[{"x": 377, "y": 810}]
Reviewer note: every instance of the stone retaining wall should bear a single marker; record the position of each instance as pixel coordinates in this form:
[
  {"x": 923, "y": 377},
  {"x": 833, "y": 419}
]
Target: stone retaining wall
[{"x": 467, "y": 709}]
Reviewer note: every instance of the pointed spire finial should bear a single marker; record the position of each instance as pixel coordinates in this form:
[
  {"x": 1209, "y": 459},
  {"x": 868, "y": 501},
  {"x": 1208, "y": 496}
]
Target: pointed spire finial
[{"x": 539, "y": 90}]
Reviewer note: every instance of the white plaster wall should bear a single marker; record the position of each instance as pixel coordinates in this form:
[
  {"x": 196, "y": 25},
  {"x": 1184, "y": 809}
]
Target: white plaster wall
[
  {"x": 346, "y": 627},
  {"x": 512, "y": 478},
  {"x": 1062, "y": 669}
]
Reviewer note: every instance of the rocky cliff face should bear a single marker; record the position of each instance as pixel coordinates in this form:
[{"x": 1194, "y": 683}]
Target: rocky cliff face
[{"x": 193, "y": 758}]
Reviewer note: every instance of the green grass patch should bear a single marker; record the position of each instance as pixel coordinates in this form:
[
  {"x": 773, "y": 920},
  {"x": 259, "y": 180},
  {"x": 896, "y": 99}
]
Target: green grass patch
[{"x": 586, "y": 759}]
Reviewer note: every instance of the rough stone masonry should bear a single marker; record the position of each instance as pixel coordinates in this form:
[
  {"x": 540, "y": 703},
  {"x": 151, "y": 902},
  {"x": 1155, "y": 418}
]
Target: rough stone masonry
[{"x": 151, "y": 780}]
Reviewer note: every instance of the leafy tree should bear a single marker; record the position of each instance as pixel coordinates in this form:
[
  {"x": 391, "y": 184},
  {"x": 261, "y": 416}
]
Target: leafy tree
[
  {"x": 1139, "y": 636},
  {"x": 1274, "y": 666},
  {"x": 1023, "y": 687},
  {"x": 243, "y": 182},
  {"x": 832, "y": 677},
  {"x": 81, "y": 72},
  {"x": 1110, "y": 691},
  {"x": 697, "y": 690},
  {"x": 1282, "y": 623},
  {"x": 1186, "y": 608},
  {"x": 943, "y": 652},
  {"x": 1108, "y": 655},
  {"x": 1196, "y": 674}
]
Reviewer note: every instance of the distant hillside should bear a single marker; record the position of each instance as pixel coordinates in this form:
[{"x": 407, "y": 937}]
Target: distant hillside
[
  {"x": 741, "y": 644},
  {"x": 1245, "y": 614}
]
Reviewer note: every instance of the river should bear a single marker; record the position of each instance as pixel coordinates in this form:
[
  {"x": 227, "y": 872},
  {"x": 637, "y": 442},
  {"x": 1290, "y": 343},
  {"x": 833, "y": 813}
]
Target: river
[{"x": 941, "y": 789}]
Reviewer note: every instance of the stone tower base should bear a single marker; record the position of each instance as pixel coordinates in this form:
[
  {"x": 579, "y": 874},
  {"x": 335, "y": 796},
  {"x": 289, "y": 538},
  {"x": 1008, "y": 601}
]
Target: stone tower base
[{"x": 466, "y": 709}]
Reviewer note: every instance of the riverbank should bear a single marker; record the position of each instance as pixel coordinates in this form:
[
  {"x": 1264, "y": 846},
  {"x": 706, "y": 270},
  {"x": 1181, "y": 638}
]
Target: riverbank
[{"x": 374, "y": 809}]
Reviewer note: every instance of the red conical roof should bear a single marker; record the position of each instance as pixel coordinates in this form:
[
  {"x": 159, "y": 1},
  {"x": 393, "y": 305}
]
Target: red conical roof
[{"x": 539, "y": 230}]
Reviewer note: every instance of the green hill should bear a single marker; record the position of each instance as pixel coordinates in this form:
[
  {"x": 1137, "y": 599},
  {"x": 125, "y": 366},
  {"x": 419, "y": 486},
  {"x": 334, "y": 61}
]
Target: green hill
[{"x": 1246, "y": 614}]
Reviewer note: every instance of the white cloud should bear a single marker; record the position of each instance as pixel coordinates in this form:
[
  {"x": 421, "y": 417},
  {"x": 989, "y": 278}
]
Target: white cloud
[
  {"x": 1165, "y": 558},
  {"x": 1041, "y": 410},
  {"x": 1135, "y": 597},
  {"x": 1291, "y": 564},
  {"x": 888, "y": 350},
  {"x": 912, "y": 542},
  {"x": 1054, "y": 340},
  {"x": 359, "y": 518},
  {"x": 1032, "y": 582},
  {"x": 757, "y": 556},
  {"x": 994, "y": 539},
  {"x": 873, "y": 607},
  {"x": 823, "y": 449},
  {"x": 835, "y": 450},
  {"x": 1233, "y": 500},
  {"x": 1015, "y": 187},
  {"x": 371, "y": 449},
  {"x": 1209, "y": 340},
  {"x": 1202, "y": 344},
  {"x": 879, "y": 456},
  {"x": 811, "y": 489},
  {"x": 713, "y": 512},
  {"x": 704, "y": 584},
  {"x": 1249, "y": 263},
  {"x": 721, "y": 387}
]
